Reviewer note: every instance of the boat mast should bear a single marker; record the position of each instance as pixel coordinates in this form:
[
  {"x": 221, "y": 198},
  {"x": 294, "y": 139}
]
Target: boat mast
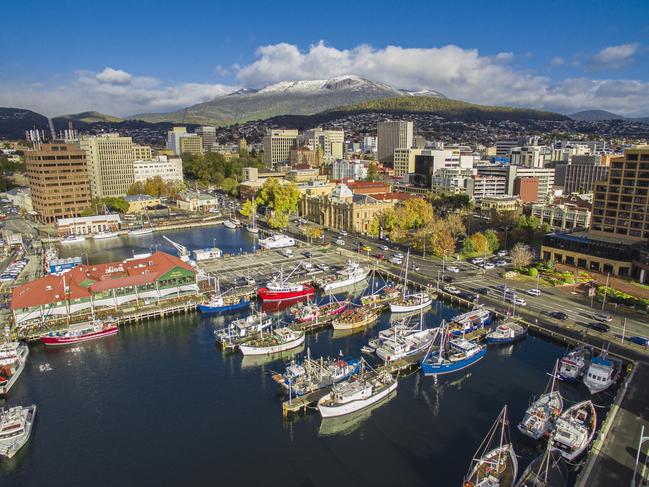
[
  {"x": 405, "y": 275},
  {"x": 502, "y": 433}
]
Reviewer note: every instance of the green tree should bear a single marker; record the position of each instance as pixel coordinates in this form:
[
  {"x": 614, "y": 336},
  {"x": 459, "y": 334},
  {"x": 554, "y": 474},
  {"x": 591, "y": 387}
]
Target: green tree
[
  {"x": 372, "y": 171},
  {"x": 312, "y": 232},
  {"x": 135, "y": 188},
  {"x": 493, "y": 242},
  {"x": 246, "y": 208},
  {"x": 476, "y": 243},
  {"x": 230, "y": 185},
  {"x": 278, "y": 220}
]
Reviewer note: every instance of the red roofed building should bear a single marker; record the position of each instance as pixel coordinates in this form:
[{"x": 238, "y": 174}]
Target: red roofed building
[
  {"x": 367, "y": 187},
  {"x": 86, "y": 288}
]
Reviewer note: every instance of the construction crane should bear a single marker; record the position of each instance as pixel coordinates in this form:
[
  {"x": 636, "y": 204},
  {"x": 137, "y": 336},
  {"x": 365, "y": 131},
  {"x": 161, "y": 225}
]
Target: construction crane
[{"x": 183, "y": 252}]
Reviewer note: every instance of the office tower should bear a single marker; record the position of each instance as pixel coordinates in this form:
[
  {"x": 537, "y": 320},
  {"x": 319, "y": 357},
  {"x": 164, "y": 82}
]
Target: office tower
[
  {"x": 58, "y": 178},
  {"x": 142, "y": 153},
  {"x": 208, "y": 134},
  {"x": 181, "y": 142},
  {"x": 393, "y": 135},
  {"x": 330, "y": 141},
  {"x": 528, "y": 156},
  {"x": 110, "y": 164},
  {"x": 404, "y": 161},
  {"x": 277, "y": 147}
]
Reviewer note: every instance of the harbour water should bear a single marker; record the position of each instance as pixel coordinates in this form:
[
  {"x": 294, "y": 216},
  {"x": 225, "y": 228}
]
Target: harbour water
[{"x": 160, "y": 404}]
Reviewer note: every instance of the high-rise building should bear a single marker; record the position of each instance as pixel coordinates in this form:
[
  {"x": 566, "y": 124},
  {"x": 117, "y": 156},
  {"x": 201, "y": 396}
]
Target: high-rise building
[
  {"x": 243, "y": 146},
  {"x": 348, "y": 170},
  {"x": 579, "y": 178},
  {"x": 142, "y": 153},
  {"x": 331, "y": 142},
  {"x": 404, "y": 161},
  {"x": 110, "y": 164},
  {"x": 545, "y": 176},
  {"x": 168, "y": 168},
  {"x": 208, "y": 134},
  {"x": 504, "y": 146},
  {"x": 181, "y": 142},
  {"x": 480, "y": 187},
  {"x": 393, "y": 135},
  {"x": 277, "y": 146},
  {"x": 528, "y": 156},
  {"x": 58, "y": 178},
  {"x": 621, "y": 203}
]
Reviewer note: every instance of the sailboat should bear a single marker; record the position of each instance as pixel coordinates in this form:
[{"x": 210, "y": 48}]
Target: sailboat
[
  {"x": 540, "y": 417},
  {"x": 575, "y": 429},
  {"x": 218, "y": 303},
  {"x": 452, "y": 355},
  {"x": 230, "y": 222},
  {"x": 252, "y": 227},
  {"x": 143, "y": 230},
  {"x": 494, "y": 465},
  {"x": 410, "y": 302},
  {"x": 547, "y": 470}
]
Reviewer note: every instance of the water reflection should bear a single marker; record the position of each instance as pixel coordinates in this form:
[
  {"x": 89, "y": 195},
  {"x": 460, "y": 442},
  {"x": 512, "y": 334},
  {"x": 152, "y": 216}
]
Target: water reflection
[{"x": 349, "y": 423}]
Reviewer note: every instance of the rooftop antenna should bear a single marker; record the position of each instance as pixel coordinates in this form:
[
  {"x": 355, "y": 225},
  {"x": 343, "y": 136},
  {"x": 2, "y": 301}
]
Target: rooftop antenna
[{"x": 51, "y": 124}]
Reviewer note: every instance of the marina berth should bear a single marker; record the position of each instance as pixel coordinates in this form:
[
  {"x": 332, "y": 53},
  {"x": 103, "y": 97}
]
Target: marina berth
[
  {"x": 540, "y": 416},
  {"x": 495, "y": 463},
  {"x": 13, "y": 357},
  {"x": 602, "y": 373},
  {"x": 574, "y": 364},
  {"x": 82, "y": 332},
  {"x": 15, "y": 428},
  {"x": 508, "y": 332},
  {"x": 574, "y": 430},
  {"x": 274, "y": 341}
]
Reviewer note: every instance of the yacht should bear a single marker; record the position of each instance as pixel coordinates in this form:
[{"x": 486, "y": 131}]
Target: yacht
[
  {"x": 73, "y": 239},
  {"x": 136, "y": 232},
  {"x": 229, "y": 224},
  {"x": 252, "y": 226},
  {"x": 15, "y": 428},
  {"x": 602, "y": 373},
  {"x": 13, "y": 357},
  {"x": 575, "y": 429},
  {"x": 348, "y": 276}
]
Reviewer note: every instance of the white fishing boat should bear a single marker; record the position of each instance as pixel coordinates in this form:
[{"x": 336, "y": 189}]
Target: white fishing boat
[
  {"x": 354, "y": 395},
  {"x": 136, "y": 232},
  {"x": 104, "y": 235},
  {"x": 276, "y": 242},
  {"x": 573, "y": 365},
  {"x": 242, "y": 328},
  {"x": 495, "y": 463},
  {"x": 229, "y": 224},
  {"x": 277, "y": 340},
  {"x": 13, "y": 357},
  {"x": 575, "y": 429},
  {"x": 68, "y": 239},
  {"x": 405, "y": 341},
  {"x": 602, "y": 373},
  {"x": 350, "y": 275},
  {"x": 15, "y": 428},
  {"x": 410, "y": 301},
  {"x": 541, "y": 415}
]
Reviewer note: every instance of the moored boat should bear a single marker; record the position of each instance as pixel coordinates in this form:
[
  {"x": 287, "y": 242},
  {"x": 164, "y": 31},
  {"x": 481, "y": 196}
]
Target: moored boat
[
  {"x": 136, "y": 232},
  {"x": 83, "y": 332},
  {"x": 13, "y": 357},
  {"x": 73, "y": 239},
  {"x": 541, "y": 415},
  {"x": 507, "y": 332},
  {"x": 574, "y": 430},
  {"x": 238, "y": 330},
  {"x": 452, "y": 355},
  {"x": 470, "y": 321},
  {"x": 495, "y": 463},
  {"x": 15, "y": 428},
  {"x": 104, "y": 235},
  {"x": 275, "y": 341},
  {"x": 314, "y": 312},
  {"x": 350, "y": 275},
  {"x": 229, "y": 224},
  {"x": 546, "y": 470},
  {"x": 219, "y": 304},
  {"x": 280, "y": 289},
  {"x": 381, "y": 297},
  {"x": 409, "y": 302},
  {"x": 355, "y": 318},
  {"x": 406, "y": 345},
  {"x": 574, "y": 364}
]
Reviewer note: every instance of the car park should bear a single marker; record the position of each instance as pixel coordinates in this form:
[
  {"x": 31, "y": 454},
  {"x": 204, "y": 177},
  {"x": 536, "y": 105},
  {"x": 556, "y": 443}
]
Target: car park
[
  {"x": 452, "y": 268},
  {"x": 559, "y": 315},
  {"x": 533, "y": 292},
  {"x": 639, "y": 340},
  {"x": 452, "y": 290},
  {"x": 599, "y": 326}
]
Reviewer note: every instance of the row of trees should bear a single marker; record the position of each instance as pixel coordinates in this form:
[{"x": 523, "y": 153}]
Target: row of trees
[
  {"x": 156, "y": 187},
  {"x": 280, "y": 200}
]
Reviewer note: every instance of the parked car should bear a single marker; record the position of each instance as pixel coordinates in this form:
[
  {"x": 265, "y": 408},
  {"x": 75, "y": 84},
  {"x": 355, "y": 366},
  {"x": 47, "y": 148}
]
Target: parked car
[
  {"x": 533, "y": 292},
  {"x": 447, "y": 279},
  {"x": 644, "y": 341},
  {"x": 468, "y": 295},
  {"x": 340, "y": 241},
  {"x": 517, "y": 301},
  {"x": 452, "y": 290},
  {"x": 559, "y": 315},
  {"x": 396, "y": 260},
  {"x": 366, "y": 248},
  {"x": 343, "y": 233},
  {"x": 488, "y": 265},
  {"x": 502, "y": 253},
  {"x": 477, "y": 261},
  {"x": 500, "y": 263},
  {"x": 378, "y": 256},
  {"x": 414, "y": 267},
  {"x": 599, "y": 326},
  {"x": 308, "y": 254},
  {"x": 452, "y": 268},
  {"x": 483, "y": 290},
  {"x": 323, "y": 267},
  {"x": 250, "y": 281},
  {"x": 398, "y": 255},
  {"x": 385, "y": 248}
]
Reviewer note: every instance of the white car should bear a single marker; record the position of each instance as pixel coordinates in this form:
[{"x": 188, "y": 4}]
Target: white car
[
  {"x": 500, "y": 263},
  {"x": 340, "y": 241},
  {"x": 502, "y": 253},
  {"x": 396, "y": 260},
  {"x": 343, "y": 233},
  {"x": 452, "y": 268},
  {"x": 488, "y": 265},
  {"x": 323, "y": 267},
  {"x": 517, "y": 301},
  {"x": 385, "y": 248},
  {"x": 477, "y": 261},
  {"x": 399, "y": 255},
  {"x": 534, "y": 292},
  {"x": 452, "y": 290}
]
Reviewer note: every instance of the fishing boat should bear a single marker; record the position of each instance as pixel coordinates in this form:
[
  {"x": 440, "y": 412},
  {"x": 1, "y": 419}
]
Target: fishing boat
[
  {"x": 72, "y": 238},
  {"x": 82, "y": 332},
  {"x": 15, "y": 428},
  {"x": 252, "y": 227},
  {"x": 507, "y": 332},
  {"x": 380, "y": 298},
  {"x": 275, "y": 341},
  {"x": 574, "y": 430},
  {"x": 218, "y": 303},
  {"x": 13, "y": 357},
  {"x": 280, "y": 289},
  {"x": 601, "y": 373},
  {"x": 303, "y": 377},
  {"x": 314, "y": 312},
  {"x": 542, "y": 414},
  {"x": 104, "y": 235},
  {"x": 355, "y": 318},
  {"x": 344, "y": 425},
  {"x": 136, "y": 232},
  {"x": 546, "y": 470},
  {"x": 470, "y": 321},
  {"x": 574, "y": 364},
  {"x": 238, "y": 330},
  {"x": 495, "y": 463},
  {"x": 452, "y": 355},
  {"x": 410, "y": 301},
  {"x": 357, "y": 393},
  {"x": 348, "y": 276},
  {"x": 405, "y": 341}
]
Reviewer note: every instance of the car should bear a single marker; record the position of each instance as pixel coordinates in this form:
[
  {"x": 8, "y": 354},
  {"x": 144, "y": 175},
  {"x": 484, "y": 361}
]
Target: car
[
  {"x": 250, "y": 281},
  {"x": 502, "y": 287},
  {"x": 599, "y": 326},
  {"x": 477, "y": 261},
  {"x": 343, "y": 233},
  {"x": 447, "y": 279},
  {"x": 533, "y": 292},
  {"x": 469, "y": 296},
  {"x": 414, "y": 267},
  {"x": 483, "y": 290},
  {"x": 638, "y": 340},
  {"x": 488, "y": 265},
  {"x": 378, "y": 256},
  {"x": 366, "y": 248},
  {"x": 452, "y": 268},
  {"x": 501, "y": 253},
  {"x": 396, "y": 260},
  {"x": 398, "y": 255},
  {"x": 323, "y": 267},
  {"x": 559, "y": 315},
  {"x": 385, "y": 248},
  {"x": 517, "y": 301},
  {"x": 307, "y": 254},
  {"x": 340, "y": 241},
  {"x": 500, "y": 263},
  {"x": 452, "y": 290},
  {"x": 602, "y": 317}
]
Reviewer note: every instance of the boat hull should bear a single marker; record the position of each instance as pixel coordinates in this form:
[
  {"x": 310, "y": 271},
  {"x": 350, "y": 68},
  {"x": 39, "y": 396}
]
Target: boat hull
[
  {"x": 207, "y": 309},
  {"x": 504, "y": 340},
  {"x": 249, "y": 350},
  {"x": 330, "y": 286},
  {"x": 54, "y": 341},
  {"x": 137, "y": 233},
  {"x": 352, "y": 407},
  {"x": 253, "y": 230},
  {"x": 102, "y": 236},
  {"x": 404, "y": 308},
  {"x": 266, "y": 295},
  {"x": 445, "y": 367}
]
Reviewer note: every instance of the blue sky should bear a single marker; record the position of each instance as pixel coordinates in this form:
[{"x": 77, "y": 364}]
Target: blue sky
[{"x": 127, "y": 57}]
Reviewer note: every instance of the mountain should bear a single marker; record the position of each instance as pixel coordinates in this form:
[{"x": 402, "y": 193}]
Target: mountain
[
  {"x": 447, "y": 108},
  {"x": 14, "y": 122},
  {"x": 284, "y": 98},
  {"x": 88, "y": 117},
  {"x": 595, "y": 115}
]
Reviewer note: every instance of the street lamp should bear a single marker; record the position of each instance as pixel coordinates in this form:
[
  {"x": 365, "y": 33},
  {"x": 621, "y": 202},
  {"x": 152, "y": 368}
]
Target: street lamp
[
  {"x": 608, "y": 275},
  {"x": 637, "y": 456}
]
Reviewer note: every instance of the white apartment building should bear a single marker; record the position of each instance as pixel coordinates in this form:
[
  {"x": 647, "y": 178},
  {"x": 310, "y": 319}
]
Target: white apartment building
[
  {"x": 480, "y": 187},
  {"x": 277, "y": 146},
  {"x": 510, "y": 173},
  {"x": 528, "y": 156},
  {"x": 344, "y": 169},
  {"x": 168, "y": 168},
  {"x": 331, "y": 142},
  {"x": 404, "y": 160},
  {"x": 369, "y": 145},
  {"x": 393, "y": 135},
  {"x": 110, "y": 164}
]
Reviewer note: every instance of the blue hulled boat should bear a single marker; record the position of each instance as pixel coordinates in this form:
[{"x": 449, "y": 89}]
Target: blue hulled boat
[
  {"x": 452, "y": 355},
  {"x": 217, "y": 305},
  {"x": 471, "y": 321}
]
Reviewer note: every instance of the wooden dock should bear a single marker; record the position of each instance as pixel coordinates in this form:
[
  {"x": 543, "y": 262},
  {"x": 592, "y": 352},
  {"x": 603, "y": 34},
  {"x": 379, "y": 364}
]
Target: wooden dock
[{"x": 302, "y": 403}]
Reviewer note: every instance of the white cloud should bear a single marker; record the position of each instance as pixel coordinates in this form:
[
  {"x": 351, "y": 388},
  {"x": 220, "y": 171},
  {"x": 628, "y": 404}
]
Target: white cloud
[
  {"x": 111, "y": 91},
  {"x": 557, "y": 61},
  {"x": 613, "y": 57}
]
